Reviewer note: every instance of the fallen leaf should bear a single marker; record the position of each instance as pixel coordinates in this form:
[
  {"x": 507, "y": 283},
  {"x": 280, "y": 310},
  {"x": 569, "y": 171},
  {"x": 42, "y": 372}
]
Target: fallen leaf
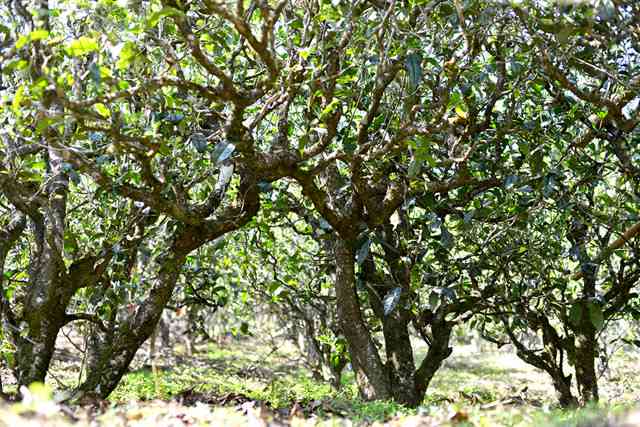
[{"x": 459, "y": 417}]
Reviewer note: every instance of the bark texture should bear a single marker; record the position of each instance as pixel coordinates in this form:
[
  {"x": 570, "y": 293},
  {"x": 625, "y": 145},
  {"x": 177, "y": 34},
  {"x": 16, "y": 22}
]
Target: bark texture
[{"x": 371, "y": 377}]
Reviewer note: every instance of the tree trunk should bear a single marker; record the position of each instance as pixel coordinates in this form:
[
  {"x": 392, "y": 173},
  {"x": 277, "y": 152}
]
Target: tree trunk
[
  {"x": 44, "y": 314},
  {"x": 97, "y": 340},
  {"x": 35, "y": 349},
  {"x": 395, "y": 327},
  {"x": 439, "y": 350},
  {"x": 165, "y": 332},
  {"x": 49, "y": 292},
  {"x": 561, "y": 382},
  {"x": 551, "y": 360},
  {"x": 407, "y": 385},
  {"x": 400, "y": 361},
  {"x": 8, "y": 238},
  {"x": 371, "y": 376},
  {"x": 586, "y": 343},
  {"x": 562, "y": 385},
  {"x": 586, "y": 353},
  {"x": 398, "y": 348},
  {"x": 116, "y": 356}
]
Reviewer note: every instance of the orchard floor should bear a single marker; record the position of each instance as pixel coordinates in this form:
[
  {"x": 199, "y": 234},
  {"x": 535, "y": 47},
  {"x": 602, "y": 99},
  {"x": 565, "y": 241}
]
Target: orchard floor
[{"x": 243, "y": 383}]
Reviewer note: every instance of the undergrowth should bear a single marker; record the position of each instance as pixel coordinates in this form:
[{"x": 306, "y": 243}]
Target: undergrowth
[
  {"x": 228, "y": 383},
  {"x": 486, "y": 390}
]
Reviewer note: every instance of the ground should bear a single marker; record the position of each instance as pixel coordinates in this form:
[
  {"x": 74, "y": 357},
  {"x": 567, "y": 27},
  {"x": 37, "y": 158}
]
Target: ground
[{"x": 247, "y": 383}]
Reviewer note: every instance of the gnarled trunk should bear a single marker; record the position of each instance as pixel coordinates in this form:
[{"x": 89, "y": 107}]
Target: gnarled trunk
[
  {"x": 586, "y": 342},
  {"x": 44, "y": 320},
  {"x": 408, "y": 385},
  {"x": 586, "y": 346},
  {"x": 439, "y": 350},
  {"x": 8, "y": 238},
  {"x": 551, "y": 360},
  {"x": 400, "y": 360},
  {"x": 562, "y": 385},
  {"x": 49, "y": 293},
  {"x": 371, "y": 375},
  {"x": 115, "y": 355}
]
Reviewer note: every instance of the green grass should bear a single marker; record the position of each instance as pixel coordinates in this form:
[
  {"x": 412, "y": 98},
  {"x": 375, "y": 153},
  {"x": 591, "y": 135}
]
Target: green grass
[
  {"x": 466, "y": 389},
  {"x": 486, "y": 389},
  {"x": 231, "y": 370}
]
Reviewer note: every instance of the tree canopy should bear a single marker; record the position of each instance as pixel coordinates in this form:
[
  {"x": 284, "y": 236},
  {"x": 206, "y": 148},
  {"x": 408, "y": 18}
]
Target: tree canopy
[{"x": 396, "y": 168}]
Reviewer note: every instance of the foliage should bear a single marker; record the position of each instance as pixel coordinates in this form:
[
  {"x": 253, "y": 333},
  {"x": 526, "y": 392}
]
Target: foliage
[{"x": 368, "y": 171}]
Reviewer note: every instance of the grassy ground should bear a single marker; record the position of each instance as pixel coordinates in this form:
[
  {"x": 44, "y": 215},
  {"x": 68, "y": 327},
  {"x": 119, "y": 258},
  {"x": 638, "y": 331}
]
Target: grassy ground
[{"x": 247, "y": 384}]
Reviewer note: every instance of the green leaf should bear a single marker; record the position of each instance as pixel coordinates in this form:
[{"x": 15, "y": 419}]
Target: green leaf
[
  {"x": 434, "y": 299},
  {"x": 414, "y": 168},
  {"x": 94, "y": 73},
  {"x": 163, "y": 13},
  {"x": 363, "y": 252},
  {"x": 223, "y": 151},
  {"x": 391, "y": 300},
  {"x": 596, "y": 315},
  {"x": 38, "y": 165},
  {"x": 43, "y": 124},
  {"x": 265, "y": 186},
  {"x": 550, "y": 26},
  {"x": 82, "y": 46},
  {"x": 16, "y": 64},
  {"x": 70, "y": 243},
  {"x": 575, "y": 313},
  {"x": 32, "y": 36},
  {"x": 17, "y": 100},
  {"x": 103, "y": 110},
  {"x": 38, "y": 35},
  {"x": 244, "y": 328},
  {"x": 127, "y": 54},
  {"x": 329, "y": 109},
  {"x": 462, "y": 110},
  {"x": 412, "y": 65},
  {"x": 395, "y": 219},
  {"x": 199, "y": 142},
  {"x": 224, "y": 177},
  {"x": 304, "y": 53},
  {"x": 446, "y": 238}
]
